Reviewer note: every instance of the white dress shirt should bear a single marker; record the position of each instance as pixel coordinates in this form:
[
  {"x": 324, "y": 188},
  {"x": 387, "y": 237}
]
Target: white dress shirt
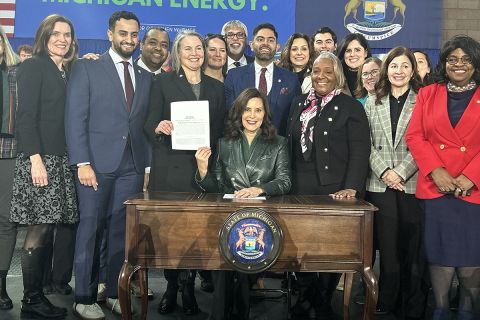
[
  {"x": 118, "y": 61},
  {"x": 231, "y": 62},
  {"x": 268, "y": 75}
]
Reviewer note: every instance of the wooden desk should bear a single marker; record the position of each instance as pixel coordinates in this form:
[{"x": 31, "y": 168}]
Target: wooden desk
[{"x": 180, "y": 231}]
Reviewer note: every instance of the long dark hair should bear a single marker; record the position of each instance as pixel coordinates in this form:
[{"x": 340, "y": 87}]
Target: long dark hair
[
  {"x": 467, "y": 44},
  {"x": 342, "y": 47},
  {"x": 44, "y": 32},
  {"x": 234, "y": 126},
  {"x": 383, "y": 86},
  {"x": 285, "y": 56},
  {"x": 428, "y": 77}
]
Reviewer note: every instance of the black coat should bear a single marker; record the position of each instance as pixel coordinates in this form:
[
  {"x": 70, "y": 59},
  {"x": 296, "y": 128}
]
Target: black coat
[
  {"x": 341, "y": 141},
  {"x": 268, "y": 168},
  {"x": 174, "y": 170},
  {"x": 41, "y": 107}
]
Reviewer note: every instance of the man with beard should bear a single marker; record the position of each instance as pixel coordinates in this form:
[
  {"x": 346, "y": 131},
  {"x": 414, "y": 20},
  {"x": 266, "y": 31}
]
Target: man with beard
[
  {"x": 154, "y": 47},
  {"x": 235, "y": 33},
  {"x": 107, "y": 101},
  {"x": 278, "y": 84}
]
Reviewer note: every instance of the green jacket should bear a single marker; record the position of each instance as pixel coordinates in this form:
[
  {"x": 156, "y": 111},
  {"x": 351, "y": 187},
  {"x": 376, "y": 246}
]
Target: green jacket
[{"x": 268, "y": 168}]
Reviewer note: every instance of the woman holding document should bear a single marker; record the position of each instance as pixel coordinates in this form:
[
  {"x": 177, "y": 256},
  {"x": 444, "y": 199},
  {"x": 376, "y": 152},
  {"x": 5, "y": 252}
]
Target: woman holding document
[
  {"x": 251, "y": 160},
  {"x": 174, "y": 170}
]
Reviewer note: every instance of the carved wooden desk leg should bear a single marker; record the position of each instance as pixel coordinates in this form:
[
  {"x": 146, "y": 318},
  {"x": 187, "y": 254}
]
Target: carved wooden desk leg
[
  {"x": 124, "y": 290},
  {"x": 142, "y": 278},
  {"x": 371, "y": 295},
  {"x": 347, "y": 290}
]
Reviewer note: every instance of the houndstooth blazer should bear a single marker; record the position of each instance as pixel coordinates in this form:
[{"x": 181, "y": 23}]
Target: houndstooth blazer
[{"x": 386, "y": 153}]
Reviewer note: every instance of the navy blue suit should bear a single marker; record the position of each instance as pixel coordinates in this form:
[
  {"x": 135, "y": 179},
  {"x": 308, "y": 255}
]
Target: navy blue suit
[
  {"x": 285, "y": 87},
  {"x": 101, "y": 130}
]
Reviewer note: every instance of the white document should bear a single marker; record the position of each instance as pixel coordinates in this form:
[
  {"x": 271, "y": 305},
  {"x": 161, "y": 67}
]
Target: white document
[
  {"x": 191, "y": 125},
  {"x": 232, "y": 196}
]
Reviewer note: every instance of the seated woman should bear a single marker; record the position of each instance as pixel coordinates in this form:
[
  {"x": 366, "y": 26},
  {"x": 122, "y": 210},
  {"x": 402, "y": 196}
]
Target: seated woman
[{"x": 251, "y": 160}]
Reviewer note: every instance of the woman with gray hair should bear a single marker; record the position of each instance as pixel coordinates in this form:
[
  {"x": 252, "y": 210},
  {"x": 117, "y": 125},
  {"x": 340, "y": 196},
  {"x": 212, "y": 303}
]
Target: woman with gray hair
[
  {"x": 174, "y": 170},
  {"x": 329, "y": 143}
]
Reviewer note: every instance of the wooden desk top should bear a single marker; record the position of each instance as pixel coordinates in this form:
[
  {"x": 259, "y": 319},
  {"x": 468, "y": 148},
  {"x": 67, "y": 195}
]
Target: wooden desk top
[{"x": 322, "y": 203}]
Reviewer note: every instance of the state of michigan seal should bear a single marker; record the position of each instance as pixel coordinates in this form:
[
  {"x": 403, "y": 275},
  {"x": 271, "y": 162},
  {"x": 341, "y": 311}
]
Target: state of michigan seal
[
  {"x": 374, "y": 25},
  {"x": 250, "y": 240}
]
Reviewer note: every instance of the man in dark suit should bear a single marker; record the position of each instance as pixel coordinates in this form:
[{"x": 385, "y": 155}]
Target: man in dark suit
[
  {"x": 280, "y": 85},
  {"x": 236, "y": 33},
  {"x": 154, "y": 47},
  {"x": 107, "y": 101}
]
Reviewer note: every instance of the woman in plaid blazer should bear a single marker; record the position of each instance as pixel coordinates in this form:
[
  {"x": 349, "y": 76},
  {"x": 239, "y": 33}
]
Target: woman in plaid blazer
[{"x": 391, "y": 187}]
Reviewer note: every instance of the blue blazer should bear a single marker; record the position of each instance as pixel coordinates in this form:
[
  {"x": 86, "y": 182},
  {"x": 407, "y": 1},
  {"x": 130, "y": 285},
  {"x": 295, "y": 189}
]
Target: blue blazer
[
  {"x": 97, "y": 121},
  {"x": 285, "y": 87}
]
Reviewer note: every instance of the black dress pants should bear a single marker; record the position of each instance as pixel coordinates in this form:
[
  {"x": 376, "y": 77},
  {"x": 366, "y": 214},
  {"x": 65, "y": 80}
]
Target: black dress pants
[
  {"x": 399, "y": 238},
  {"x": 231, "y": 298}
]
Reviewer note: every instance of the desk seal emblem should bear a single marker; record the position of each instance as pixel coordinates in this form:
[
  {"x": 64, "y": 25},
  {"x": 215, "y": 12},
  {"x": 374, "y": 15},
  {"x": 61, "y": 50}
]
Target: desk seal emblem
[{"x": 250, "y": 240}]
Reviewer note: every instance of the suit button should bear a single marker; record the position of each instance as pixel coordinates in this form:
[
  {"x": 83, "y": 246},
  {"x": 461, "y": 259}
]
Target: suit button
[
  {"x": 463, "y": 149},
  {"x": 124, "y": 138},
  {"x": 442, "y": 146},
  {"x": 326, "y": 167},
  {"x": 258, "y": 181},
  {"x": 326, "y": 149},
  {"x": 325, "y": 133},
  {"x": 233, "y": 179},
  {"x": 379, "y": 147},
  {"x": 330, "y": 119}
]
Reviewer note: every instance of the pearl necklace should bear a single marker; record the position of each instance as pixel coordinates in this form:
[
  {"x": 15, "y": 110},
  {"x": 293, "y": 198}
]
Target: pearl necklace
[{"x": 469, "y": 86}]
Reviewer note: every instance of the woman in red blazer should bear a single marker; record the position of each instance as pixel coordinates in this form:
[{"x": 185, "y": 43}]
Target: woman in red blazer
[{"x": 444, "y": 139}]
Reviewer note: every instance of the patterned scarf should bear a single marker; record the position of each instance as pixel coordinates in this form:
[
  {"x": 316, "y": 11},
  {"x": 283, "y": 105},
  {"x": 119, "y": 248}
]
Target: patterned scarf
[{"x": 309, "y": 117}]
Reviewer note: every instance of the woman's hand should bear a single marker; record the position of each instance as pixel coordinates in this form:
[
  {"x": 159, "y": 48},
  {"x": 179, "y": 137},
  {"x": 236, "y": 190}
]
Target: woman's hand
[
  {"x": 393, "y": 180},
  {"x": 39, "y": 173},
  {"x": 443, "y": 180},
  {"x": 463, "y": 186},
  {"x": 165, "y": 127},
  {"x": 87, "y": 176},
  {"x": 251, "y": 192},
  {"x": 344, "y": 194},
  {"x": 202, "y": 155}
]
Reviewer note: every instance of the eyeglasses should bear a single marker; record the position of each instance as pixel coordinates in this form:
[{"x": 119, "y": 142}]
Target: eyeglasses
[
  {"x": 372, "y": 73},
  {"x": 231, "y": 35},
  {"x": 452, "y": 60}
]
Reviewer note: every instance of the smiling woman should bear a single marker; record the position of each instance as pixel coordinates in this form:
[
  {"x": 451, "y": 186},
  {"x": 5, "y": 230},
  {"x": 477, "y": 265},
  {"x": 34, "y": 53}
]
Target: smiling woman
[
  {"x": 330, "y": 145},
  {"x": 297, "y": 57},
  {"x": 251, "y": 160},
  {"x": 43, "y": 190},
  {"x": 174, "y": 170}
]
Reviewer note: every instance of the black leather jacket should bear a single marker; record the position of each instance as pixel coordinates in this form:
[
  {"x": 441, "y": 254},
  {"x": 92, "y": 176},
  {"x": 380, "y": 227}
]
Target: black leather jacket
[{"x": 268, "y": 168}]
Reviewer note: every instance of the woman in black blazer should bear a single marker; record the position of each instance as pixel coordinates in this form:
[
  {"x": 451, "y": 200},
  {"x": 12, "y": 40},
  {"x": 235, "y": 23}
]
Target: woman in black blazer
[
  {"x": 329, "y": 141},
  {"x": 174, "y": 170},
  {"x": 251, "y": 160},
  {"x": 43, "y": 189}
]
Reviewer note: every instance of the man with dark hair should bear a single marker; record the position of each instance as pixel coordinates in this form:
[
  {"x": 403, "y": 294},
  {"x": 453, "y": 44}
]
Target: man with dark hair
[
  {"x": 236, "y": 33},
  {"x": 107, "y": 101},
  {"x": 154, "y": 47},
  {"x": 278, "y": 84},
  {"x": 324, "y": 39},
  {"x": 25, "y": 52}
]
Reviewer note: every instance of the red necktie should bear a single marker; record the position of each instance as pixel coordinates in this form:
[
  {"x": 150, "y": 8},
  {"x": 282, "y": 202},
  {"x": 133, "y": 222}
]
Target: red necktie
[
  {"x": 262, "y": 83},
  {"x": 128, "y": 85}
]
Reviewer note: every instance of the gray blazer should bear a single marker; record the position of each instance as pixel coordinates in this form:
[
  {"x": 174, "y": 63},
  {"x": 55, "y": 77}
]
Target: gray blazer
[{"x": 386, "y": 153}]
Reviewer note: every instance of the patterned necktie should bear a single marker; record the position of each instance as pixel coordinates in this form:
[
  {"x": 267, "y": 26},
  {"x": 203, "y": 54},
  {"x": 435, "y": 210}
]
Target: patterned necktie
[
  {"x": 237, "y": 64},
  {"x": 262, "y": 83},
  {"x": 128, "y": 85}
]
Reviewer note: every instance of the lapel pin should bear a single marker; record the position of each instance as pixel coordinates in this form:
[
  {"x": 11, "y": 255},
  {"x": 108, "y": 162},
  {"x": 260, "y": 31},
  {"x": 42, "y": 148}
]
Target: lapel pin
[
  {"x": 279, "y": 80},
  {"x": 478, "y": 101}
]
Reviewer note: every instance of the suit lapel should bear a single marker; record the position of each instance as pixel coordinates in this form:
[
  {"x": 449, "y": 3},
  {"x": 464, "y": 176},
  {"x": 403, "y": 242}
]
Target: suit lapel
[
  {"x": 405, "y": 116},
  {"x": 257, "y": 153},
  {"x": 383, "y": 111},
  {"x": 182, "y": 83},
  {"x": 139, "y": 86},
  {"x": 111, "y": 70},
  {"x": 276, "y": 87},
  {"x": 237, "y": 156},
  {"x": 442, "y": 121}
]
